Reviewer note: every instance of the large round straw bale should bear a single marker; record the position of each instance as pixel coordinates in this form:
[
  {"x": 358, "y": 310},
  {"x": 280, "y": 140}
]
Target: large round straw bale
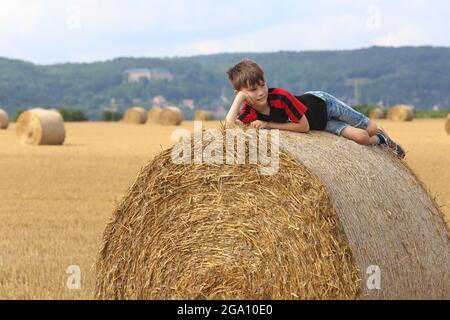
[
  {"x": 4, "y": 119},
  {"x": 400, "y": 112},
  {"x": 40, "y": 126},
  {"x": 170, "y": 116},
  {"x": 135, "y": 115},
  {"x": 376, "y": 113},
  {"x": 447, "y": 124},
  {"x": 334, "y": 211},
  {"x": 153, "y": 115},
  {"x": 203, "y": 115}
]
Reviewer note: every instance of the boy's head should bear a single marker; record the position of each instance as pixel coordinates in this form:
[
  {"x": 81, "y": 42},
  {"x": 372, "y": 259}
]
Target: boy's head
[{"x": 246, "y": 74}]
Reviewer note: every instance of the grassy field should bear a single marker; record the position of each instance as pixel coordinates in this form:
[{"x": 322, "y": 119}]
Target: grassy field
[{"x": 55, "y": 201}]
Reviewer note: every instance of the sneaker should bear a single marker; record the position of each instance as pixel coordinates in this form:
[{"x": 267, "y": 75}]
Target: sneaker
[{"x": 391, "y": 144}]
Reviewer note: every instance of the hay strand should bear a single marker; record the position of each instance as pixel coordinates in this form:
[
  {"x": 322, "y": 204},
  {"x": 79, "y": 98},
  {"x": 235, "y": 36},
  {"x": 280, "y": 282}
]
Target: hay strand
[
  {"x": 135, "y": 115},
  {"x": 4, "y": 119},
  {"x": 41, "y": 127},
  {"x": 400, "y": 113}
]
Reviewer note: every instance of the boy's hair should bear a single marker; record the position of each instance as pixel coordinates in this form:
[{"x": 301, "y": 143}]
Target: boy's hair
[{"x": 246, "y": 74}]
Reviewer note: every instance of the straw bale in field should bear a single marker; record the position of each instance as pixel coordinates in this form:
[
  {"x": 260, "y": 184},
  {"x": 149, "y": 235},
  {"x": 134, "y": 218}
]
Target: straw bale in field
[
  {"x": 376, "y": 113},
  {"x": 135, "y": 115},
  {"x": 41, "y": 127},
  {"x": 335, "y": 214},
  {"x": 153, "y": 115},
  {"x": 203, "y": 115},
  {"x": 4, "y": 119},
  {"x": 400, "y": 112},
  {"x": 170, "y": 116}
]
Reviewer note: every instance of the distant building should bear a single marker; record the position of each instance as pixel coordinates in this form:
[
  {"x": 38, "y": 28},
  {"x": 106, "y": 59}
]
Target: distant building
[{"x": 135, "y": 75}]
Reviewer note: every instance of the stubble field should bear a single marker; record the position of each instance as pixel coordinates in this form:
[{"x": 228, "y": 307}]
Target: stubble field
[{"x": 56, "y": 200}]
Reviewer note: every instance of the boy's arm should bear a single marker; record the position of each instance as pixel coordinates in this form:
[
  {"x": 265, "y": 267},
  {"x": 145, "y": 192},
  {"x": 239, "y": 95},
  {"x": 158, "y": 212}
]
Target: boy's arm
[
  {"x": 301, "y": 126},
  {"x": 234, "y": 109}
]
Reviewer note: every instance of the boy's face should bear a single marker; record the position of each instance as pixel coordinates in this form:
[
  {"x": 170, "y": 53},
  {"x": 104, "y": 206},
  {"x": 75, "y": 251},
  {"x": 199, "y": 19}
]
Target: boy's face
[{"x": 258, "y": 94}]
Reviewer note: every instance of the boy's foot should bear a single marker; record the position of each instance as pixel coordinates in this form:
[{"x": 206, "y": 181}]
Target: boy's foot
[{"x": 391, "y": 144}]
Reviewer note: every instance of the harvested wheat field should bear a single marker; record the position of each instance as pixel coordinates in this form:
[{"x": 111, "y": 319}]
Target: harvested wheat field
[{"x": 57, "y": 201}]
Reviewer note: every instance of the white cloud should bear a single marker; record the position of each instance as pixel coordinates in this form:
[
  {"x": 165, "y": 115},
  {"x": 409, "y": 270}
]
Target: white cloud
[
  {"x": 37, "y": 30},
  {"x": 404, "y": 36}
]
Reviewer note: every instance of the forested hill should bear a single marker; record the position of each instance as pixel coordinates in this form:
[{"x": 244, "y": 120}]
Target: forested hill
[{"x": 419, "y": 76}]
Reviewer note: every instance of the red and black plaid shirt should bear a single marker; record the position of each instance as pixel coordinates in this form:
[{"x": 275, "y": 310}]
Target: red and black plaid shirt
[{"x": 283, "y": 107}]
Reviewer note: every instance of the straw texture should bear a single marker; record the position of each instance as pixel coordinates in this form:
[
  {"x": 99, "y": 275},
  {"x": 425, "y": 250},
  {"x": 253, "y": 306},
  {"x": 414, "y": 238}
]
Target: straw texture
[
  {"x": 135, "y": 115},
  {"x": 388, "y": 215},
  {"x": 4, "y": 119},
  {"x": 40, "y": 126},
  {"x": 400, "y": 112},
  {"x": 310, "y": 231},
  {"x": 225, "y": 232}
]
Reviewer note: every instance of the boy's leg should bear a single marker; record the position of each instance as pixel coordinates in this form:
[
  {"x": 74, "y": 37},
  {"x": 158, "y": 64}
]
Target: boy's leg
[
  {"x": 360, "y": 136},
  {"x": 372, "y": 128},
  {"x": 338, "y": 110}
]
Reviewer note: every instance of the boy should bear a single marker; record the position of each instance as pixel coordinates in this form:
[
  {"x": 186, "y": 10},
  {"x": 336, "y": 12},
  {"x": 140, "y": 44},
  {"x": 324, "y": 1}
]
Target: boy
[{"x": 277, "y": 108}]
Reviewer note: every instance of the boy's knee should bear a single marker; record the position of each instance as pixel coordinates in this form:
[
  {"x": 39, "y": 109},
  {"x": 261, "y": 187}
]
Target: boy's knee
[{"x": 372, "y": 128}]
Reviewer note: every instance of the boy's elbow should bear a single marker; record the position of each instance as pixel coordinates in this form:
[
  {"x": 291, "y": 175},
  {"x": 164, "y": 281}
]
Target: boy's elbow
[{"x": 303, "y": 125}]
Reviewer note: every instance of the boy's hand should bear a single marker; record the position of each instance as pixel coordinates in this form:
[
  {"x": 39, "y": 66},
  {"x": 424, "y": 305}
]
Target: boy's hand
[
  {"x": 260, "y": 124},
  {"x": 243, "y": 97}
]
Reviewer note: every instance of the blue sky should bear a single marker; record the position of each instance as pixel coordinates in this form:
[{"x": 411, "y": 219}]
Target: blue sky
[{"x": 51, "y": 31}]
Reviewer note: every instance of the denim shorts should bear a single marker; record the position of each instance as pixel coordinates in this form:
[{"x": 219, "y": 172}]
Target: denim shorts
[{"x": 340, "y": 115}]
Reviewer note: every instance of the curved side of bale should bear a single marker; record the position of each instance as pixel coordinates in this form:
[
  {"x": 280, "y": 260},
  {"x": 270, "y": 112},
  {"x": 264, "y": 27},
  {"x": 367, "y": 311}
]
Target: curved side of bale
[
  {"x": 153, "y": 115},
  {"x": 401, "y": 113},
  {"x": 376, "y": 113},
  {"x": 217, "y": 231},
  {"x": 41, "y": 127},
  {"x": 135, "y": 115},
  {"x": 447, "y": 124},
  {"x": 203, "y": 115},
  {"x": 389, "y": 218},
  {"x": 4, "y": 119},
  {"x": 171, "y": 116}
]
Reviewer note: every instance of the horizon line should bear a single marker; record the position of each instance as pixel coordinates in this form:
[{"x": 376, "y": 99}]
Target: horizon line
[{"x": 174, "y": 57}]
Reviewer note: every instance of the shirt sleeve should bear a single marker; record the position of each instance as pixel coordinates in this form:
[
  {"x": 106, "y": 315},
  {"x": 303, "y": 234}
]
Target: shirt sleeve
[
  {"x": 293, "y": 107},
  {"x": 247, "y": 115}
]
